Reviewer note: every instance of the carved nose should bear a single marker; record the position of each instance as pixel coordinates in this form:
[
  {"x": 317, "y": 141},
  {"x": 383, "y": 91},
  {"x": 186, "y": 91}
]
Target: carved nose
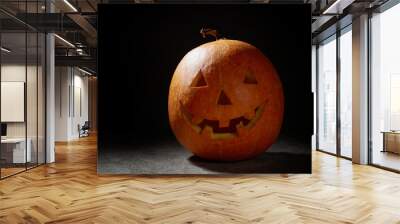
[{"x": 223, "y": 99}]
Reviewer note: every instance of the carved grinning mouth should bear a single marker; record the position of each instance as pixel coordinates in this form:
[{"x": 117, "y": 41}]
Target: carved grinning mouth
[{"x": 214, "y": 128}]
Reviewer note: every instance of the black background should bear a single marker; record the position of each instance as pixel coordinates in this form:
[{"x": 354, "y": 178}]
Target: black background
[{"x": 141, "y": 45}]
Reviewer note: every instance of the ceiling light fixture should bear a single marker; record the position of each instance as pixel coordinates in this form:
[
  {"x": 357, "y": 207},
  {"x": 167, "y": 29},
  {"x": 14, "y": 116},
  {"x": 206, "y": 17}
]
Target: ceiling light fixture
[
  {"x": 84, "y": 71},
  {"x": 80, "y": 51},
  {"x": 70, "y": 5},
  {"x": 337, "y": 7},
  {"x": 65, "y": 41},
  {"x": 5, "y": 50}
]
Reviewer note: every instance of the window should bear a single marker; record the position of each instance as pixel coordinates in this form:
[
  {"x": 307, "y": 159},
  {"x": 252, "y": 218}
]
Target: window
[
  {"x": 385, "y": 88},
  {"x": 346, "y": 92},
  {"x": 327, "y": 95},
  {"x": 335, "y": 137}
]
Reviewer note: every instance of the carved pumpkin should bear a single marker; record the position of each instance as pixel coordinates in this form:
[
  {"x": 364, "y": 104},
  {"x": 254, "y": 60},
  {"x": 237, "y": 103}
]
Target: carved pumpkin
[{"x": 226, "y": 101}]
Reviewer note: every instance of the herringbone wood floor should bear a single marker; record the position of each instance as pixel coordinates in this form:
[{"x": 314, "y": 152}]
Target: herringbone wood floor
[{"x": 69, "y": 191}]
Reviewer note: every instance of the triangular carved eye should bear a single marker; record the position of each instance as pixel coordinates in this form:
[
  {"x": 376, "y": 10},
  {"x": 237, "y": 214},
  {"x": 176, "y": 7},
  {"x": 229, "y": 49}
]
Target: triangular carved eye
[
  {"x": 199, "y": 80},
  {"x": 249, "y": 78},
  {"x": 223, "y": 99}
]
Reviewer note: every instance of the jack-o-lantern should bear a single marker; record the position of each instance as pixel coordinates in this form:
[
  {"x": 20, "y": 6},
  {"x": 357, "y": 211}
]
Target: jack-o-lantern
[{"x": 226, "y": 101}]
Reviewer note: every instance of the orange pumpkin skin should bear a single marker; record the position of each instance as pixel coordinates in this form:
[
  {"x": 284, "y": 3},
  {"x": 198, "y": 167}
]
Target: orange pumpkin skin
[{"x": 226, "y": 101}]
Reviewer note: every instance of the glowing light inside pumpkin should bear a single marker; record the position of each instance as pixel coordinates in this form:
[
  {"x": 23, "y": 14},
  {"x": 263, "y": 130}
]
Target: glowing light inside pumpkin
[{"x": 213, "y": 129}]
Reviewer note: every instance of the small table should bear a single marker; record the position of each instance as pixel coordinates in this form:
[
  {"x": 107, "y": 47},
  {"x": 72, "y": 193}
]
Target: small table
[{"x": 391, "y": 141}]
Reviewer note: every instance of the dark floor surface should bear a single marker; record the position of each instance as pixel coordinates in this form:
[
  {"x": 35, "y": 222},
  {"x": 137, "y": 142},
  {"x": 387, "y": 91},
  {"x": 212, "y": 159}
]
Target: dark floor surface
[{"x": 285, "y": 156}]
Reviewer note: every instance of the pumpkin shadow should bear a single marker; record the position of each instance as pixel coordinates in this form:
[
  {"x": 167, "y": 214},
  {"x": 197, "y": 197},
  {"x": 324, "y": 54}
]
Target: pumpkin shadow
[{"x": 268, "y": 162}]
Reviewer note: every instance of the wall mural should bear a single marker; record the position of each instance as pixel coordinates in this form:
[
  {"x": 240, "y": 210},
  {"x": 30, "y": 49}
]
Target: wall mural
[{"x": 232, "y": 98}]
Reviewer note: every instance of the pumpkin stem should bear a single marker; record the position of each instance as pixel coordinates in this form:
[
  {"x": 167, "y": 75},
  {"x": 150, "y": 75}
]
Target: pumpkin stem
[{"x": 209, "y": 32}]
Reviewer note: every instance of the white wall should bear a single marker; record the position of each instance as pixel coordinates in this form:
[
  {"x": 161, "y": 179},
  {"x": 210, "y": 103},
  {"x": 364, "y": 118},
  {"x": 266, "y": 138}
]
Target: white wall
[
  {"x": 62, "y": 81},
  {"x": 71, "y": 102},
  {"x": 80, "y": 103},
  {"x": 33, "y": 126},
  {"x": 16, "y": 72}
]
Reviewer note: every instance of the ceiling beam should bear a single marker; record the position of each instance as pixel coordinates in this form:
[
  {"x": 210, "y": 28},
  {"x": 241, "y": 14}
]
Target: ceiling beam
[
  {"x": 84, "y": 24},
  {"x": 82, "y": 61}
]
